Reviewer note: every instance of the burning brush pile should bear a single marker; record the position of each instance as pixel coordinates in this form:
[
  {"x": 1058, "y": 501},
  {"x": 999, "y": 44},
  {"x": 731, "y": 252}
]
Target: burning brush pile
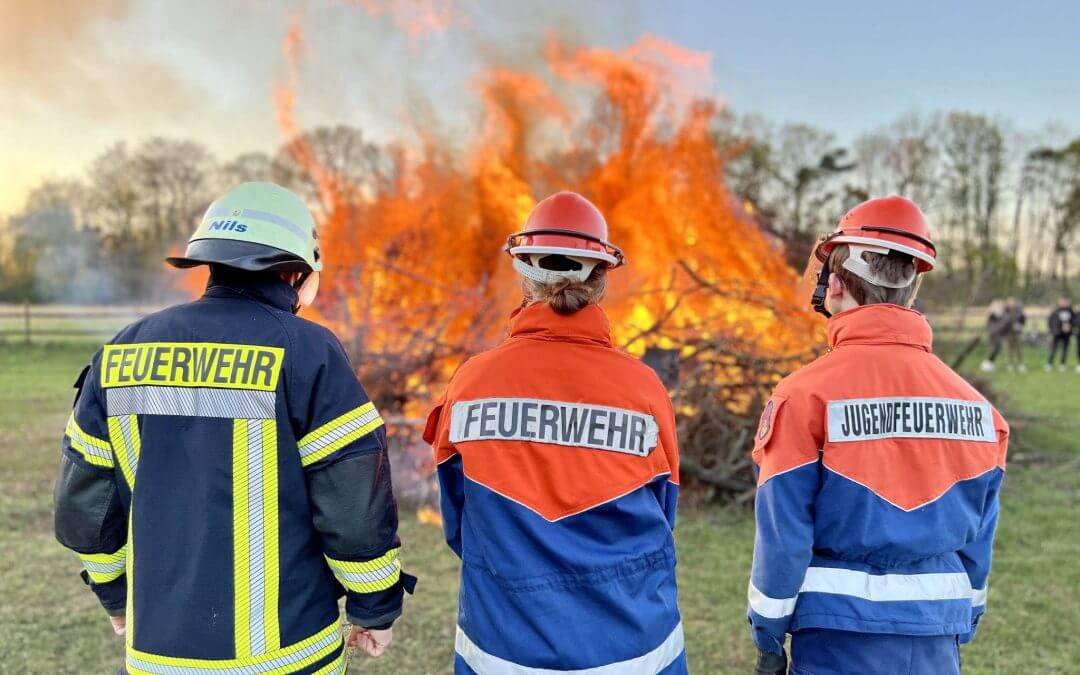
[{"x": 415, "y": 280}]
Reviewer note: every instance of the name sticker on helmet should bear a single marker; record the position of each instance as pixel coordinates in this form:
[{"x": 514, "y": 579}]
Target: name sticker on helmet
[
  {"x": 870, "y": 419},
  {"x": 228, "y": 226},
  {"x": 538, "y": 420}
]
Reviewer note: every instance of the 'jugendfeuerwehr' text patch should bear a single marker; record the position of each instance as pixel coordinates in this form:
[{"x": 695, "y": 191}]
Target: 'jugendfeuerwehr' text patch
[{"x": 869, "y": 419}]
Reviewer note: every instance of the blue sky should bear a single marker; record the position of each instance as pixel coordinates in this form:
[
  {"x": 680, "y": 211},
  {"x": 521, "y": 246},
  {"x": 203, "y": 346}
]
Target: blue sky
[{"x": 205, "y": 70}]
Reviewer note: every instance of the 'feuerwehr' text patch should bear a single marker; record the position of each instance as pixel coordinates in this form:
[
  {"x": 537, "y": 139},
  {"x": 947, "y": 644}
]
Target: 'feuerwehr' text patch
[
  {"x": 574, "y": 424},
  {"x": 867, "y": 419}
]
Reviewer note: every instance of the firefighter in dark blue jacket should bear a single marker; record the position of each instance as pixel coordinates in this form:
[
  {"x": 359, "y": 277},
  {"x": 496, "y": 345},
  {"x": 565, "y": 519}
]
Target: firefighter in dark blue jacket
[{"x": 263, "y": 485}]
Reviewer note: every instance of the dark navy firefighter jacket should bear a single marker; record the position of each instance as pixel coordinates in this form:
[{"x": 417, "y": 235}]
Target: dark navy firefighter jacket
[{"x": 224, "y": 479}]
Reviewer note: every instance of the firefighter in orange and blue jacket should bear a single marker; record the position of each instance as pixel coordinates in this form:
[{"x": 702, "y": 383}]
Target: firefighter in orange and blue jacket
[
  {"x": 558, "y": 472},
  {"x": 879, "y": 474},
  {"x": 224, "y": 477}
]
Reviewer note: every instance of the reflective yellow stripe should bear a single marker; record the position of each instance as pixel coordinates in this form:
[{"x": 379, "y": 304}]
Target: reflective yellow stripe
[
  {"x": 255, "y": 537},
  {"x": 124, "y": 434},
  {"x": 129, "y": 611},
  {"x": 278, "y": 662},
  {"x": 339, "y": 432},
  {"x": 241, "y": 572},
  {"x": 104, "y": 567},
  {"x": 94, "y": 450},
  {"x": 270, "y": 534},
  {"x": 369, "y": 576}
]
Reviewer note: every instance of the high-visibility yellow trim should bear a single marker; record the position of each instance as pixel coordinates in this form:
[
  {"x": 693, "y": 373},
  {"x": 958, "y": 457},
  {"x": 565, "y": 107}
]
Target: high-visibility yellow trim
[
  {"x": 241, "y": 526},
  {"x": 337, "y": 422},
  {"x": 339, "y": 432},
  {"x": 292, "y": 658},
  {"x": 256, "y": 574},
  {"x": 192, "y": 364},
  {"x": 270, "y": 533},
  {"x": 104, "y": 567},
  {"x": 369, "y": 576},
  {"x": 129, "y": 611},
  {"x": 94, "y": 450},
  {"x": 127, "y": 442}
]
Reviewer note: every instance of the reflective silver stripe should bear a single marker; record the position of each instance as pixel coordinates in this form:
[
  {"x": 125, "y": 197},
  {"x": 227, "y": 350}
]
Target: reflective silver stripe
[
  {"x": 191, "y": 402},
  {"x": 770, "y": 608},
  {"x": 104, "y": 568},
  {"x": 978, "y": 597},
  {"x": 126, "y": 423},
  {"x": 316, "y": 444},
  {"x": 207, "y": 667},
  {"x": 646, "y": 664},
  {"x": 264, "y": 216},
  {"x": 887, "y": 587},
  {"x": 367, "y": 577},
  {"x": 86, "y": 443}
]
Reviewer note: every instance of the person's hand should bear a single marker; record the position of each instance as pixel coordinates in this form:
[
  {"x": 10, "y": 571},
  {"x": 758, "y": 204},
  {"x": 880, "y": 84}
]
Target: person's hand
[
  {"x": 769, "y": 663},
  {"x": 373, "y": 642},
  {"x": 119, "y": 625}
]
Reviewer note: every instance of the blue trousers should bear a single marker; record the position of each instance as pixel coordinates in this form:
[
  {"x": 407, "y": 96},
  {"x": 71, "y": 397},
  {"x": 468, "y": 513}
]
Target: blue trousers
[{"x": 834, "y": 652}]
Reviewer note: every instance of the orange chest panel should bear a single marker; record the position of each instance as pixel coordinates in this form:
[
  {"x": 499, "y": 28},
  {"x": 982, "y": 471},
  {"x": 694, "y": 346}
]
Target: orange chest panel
[
  {"x": 910, "y": 450},
  {"x": 557, "y": 430}
]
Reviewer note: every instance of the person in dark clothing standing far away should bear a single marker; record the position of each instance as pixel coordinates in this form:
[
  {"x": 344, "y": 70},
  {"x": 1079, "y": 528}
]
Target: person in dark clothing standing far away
[
  {"x": 1060, "y": 325},
  {"x": 559, "y": 476},
  {"x": 996, "y": 328},
  {"x": 879, "y": 473},
  {"x": 263, "y": 489},
  {"x": 1014, "y": 320}
]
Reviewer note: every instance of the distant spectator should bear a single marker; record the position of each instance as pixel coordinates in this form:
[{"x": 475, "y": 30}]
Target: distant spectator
[
  {"x": 1014, "y": 320},
  {"x": 1061, "y": 324},
  {"x": 996, "y": 327}
]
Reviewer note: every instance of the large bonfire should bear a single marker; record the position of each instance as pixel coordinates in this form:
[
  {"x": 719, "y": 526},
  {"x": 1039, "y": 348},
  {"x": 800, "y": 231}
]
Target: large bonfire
[{"x": 415, "y": 280}]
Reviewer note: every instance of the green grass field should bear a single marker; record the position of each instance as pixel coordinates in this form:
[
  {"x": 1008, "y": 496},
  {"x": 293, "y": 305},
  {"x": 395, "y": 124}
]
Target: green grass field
[{"x": 50, "y": 623}]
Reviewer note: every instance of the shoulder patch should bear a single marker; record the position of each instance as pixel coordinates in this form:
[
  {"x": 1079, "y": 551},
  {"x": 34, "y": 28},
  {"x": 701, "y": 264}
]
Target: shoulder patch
[{"x": 767, "y": 423}]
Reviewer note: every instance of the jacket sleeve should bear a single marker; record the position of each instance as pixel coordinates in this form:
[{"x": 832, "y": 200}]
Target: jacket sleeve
[
  {"x": 667, "y": 491},
  {"x": 342, "y": 443},
  {"x": 451, "y": 474},
  {"x": 89, "y": 517},
  {"x": 978, "y": 553},
  {"x": 788, "y": 462}
]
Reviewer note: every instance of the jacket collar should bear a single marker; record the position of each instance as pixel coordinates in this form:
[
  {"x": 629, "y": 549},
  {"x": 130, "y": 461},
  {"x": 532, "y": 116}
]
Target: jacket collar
[
  {"x": 880, "y": 325},
  {"x": 539, "y": 320},
  {"x": 267, "y": 288}
]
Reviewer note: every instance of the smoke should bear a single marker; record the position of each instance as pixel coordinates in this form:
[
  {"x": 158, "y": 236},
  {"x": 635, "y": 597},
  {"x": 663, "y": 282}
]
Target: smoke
[{"x": 71, "y": 55}]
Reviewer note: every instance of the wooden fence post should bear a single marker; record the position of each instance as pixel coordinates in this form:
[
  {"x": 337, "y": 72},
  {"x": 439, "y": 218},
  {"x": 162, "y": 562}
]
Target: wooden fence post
[{"x": 26, "y": 321}]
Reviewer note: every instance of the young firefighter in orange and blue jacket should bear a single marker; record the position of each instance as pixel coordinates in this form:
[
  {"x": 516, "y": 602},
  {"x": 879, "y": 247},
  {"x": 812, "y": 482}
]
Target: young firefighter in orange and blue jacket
[
  {"x": 558, "y": 469},
  {"x": 224, "y": 477},
  {"x": 880, "y": 470}
]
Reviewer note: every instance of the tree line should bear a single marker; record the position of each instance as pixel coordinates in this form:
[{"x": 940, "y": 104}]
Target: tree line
[{"x": 1004, "y": 204}]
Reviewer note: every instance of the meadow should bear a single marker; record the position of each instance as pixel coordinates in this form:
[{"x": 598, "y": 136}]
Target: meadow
[{"x": 50, "y": 623}]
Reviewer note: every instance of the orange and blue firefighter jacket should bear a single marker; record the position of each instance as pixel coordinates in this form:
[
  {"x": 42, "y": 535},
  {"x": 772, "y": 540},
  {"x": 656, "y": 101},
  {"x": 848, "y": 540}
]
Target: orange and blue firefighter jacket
[{"x": 877, "y": 500}]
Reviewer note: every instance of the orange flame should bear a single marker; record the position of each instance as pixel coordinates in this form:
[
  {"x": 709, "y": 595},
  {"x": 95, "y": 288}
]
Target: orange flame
[{"x": 415, "y": 278}]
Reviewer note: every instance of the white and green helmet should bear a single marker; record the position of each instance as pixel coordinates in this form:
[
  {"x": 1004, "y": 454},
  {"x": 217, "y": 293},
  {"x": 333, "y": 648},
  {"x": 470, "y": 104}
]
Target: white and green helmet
[{"x": 254, "y": 227}]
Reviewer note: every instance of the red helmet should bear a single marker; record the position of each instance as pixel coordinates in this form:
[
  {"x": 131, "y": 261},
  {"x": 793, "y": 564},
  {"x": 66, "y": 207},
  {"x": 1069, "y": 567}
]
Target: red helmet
[
  {"x": 566, "y": 224},
  {"x": 892, "y": 223}
]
